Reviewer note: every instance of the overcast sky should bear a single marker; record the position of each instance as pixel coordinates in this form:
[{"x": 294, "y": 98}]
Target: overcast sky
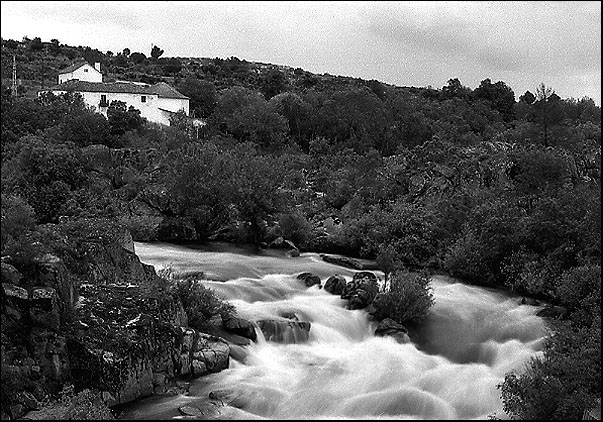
[{"x": 401, "y": 43}]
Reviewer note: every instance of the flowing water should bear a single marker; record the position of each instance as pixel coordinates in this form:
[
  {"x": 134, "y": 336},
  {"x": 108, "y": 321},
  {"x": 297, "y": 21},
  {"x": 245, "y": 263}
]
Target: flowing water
[{"x": 450, "y": 370}]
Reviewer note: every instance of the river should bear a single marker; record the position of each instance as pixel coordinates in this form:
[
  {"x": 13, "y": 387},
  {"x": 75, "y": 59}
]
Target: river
[{"x": 450, "y": 370}]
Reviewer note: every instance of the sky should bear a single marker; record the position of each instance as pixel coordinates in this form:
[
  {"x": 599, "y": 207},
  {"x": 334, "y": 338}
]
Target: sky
[{"x": 401, "y": 43}]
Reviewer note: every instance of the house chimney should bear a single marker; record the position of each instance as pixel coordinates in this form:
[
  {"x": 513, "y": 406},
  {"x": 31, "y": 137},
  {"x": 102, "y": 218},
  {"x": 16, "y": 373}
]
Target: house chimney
[{"x": 97, "y": 66}]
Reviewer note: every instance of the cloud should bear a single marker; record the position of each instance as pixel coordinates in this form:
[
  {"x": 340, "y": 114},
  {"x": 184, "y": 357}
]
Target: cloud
[{"x": 403, "y": 43}]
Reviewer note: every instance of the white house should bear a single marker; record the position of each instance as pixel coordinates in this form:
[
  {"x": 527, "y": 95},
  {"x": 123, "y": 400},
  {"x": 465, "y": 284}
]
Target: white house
[
  {"x": 156, "y": 102},
  {"x": 81, "y": 71}
]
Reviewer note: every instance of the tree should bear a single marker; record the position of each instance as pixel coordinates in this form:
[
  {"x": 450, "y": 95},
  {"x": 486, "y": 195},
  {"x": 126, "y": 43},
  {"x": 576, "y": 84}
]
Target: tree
[
  {"x": 248, "y": 117},
  {"x": 36, "y": 44},
  {"x": 86, "y": 128},
  {"x": 527, "y": 98},
  {"x": 548, "y": 109},
  {"x": 126, "y": 52},
  {"x": 256, "y": 194},
  {"x": 170, "y": 66},
  {"x": 45, "y": 174},
  {"x": 156, "y": 52},
  {"x": 297, "y": 112},
  {"x": 500, "y": 96},
  {"x": 202, "y": 94},
  {"x": 454, "y": 88},
  {"x": 137, "y": 57},
  {"x": 55, "y": 47},
  {"x": 123, "y": 119},
  {"x": 353, "y": 118},
  {"x": 273, "y": 83}
]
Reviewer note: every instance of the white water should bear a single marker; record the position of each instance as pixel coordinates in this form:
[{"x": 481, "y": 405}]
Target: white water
[{"x": 449, "y": 371}]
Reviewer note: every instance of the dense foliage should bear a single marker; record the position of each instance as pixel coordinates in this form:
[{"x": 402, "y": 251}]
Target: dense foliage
[
  {"x": 408, "y": 298},
  {"x": 495, "y": 191}
]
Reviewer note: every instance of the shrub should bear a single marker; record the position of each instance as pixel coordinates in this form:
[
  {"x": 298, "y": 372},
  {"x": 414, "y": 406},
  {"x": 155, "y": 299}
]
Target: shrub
[
  {"x": 530, "y": 273},
  {"x": 579, "y": 289},
  {"x": 200, "y": 303},
  {"x": 17, "y": 217},
  {"x": 295, "y": 227},
  {"x": 84, "y": 405},
  {"x": 408, "y": 299},
  {"x": 466, "y": 259},
  {"x": 562, "y": 383}
]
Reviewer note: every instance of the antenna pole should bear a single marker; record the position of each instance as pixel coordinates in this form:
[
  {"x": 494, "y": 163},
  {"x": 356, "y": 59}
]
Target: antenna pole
[{"x": 14, "y": 86}]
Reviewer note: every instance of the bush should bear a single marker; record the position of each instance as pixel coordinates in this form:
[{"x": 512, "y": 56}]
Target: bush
[
  {"x": 408, "y": 299},
  {"x": 561, "y": 384},
  {"x": 529, "y": 273},
  {"x": 466, "y": 260},
  {"x": 579, "y": 289},
  {"x": 200, "y": 303},
  {"x": 84, "y": 405},
  {"x": 295, "y": 228},
  {"x": 17, "y": 218}
]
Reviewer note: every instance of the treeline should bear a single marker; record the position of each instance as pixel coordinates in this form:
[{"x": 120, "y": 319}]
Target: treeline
[{"x": 495, "y": 191}]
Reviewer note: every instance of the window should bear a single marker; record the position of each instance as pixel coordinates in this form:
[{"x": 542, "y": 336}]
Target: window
[
  {"x": 143, "y": 99},
  {"x": 103, "y": 101},
  {"x": 86, "y": 70}
]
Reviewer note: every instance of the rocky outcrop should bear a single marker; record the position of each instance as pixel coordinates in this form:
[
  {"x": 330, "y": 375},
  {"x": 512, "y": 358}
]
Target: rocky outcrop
[
  {"x": 361, "y": 290},
  {"x": 104, "y": 321},
  {"x": 285, "y": 331},
  {"x": 389, "y": 327},
  {"x": 335, "y": 284},
  {"x": 529, "y": 301},
  {"x": 9, "y": 274},
  {"x": 348, "y": 262},
  {"x": 309, "y": 279},
  {"x": 234, "y": 325},
  {"x": 554, "y": 312}
]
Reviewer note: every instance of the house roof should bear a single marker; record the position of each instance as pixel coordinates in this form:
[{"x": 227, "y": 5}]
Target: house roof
[
  {"x": 73, "y": 67},
  {"x": 161, "y": 89},
  {"x": 164, "y": 90}
]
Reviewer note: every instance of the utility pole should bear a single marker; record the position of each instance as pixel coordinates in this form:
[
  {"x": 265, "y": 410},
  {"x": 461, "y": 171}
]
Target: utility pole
[{"x": 14, "y": 86}]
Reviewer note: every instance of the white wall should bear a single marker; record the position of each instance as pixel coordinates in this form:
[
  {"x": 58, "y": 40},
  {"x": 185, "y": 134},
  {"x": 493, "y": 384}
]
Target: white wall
[
  {"x": 149, "y": 109},
  {"x": 83, "y": 73}
]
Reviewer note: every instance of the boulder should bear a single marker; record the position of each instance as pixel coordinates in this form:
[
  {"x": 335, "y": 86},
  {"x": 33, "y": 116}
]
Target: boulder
[
  {"x": 44, "y": 308},
  {"x": 209, "y": 354},
  {"x": 285, "y": 331},
  {"x": 28, "y": 400},
  {"x": 335, "y": 284},
  {"x": 389, "y": 327},
  {"x": 15, "y": 293},
  {"x": 309, "y": 279},
  {"x": 365, "y": 275},
  {"x": 361, "y": 290},
  {"x": 552, "y": 312},
  {"x": 529, "y": 301},
  {"x": 281, "y": 243},
  {"x": 293, "y": 253},
  {"x": 238, "y": 326},
  {"x": 10, "y": 274},
  {"x": 53, "y": 273},
  {"x": 342, "y": 261}
]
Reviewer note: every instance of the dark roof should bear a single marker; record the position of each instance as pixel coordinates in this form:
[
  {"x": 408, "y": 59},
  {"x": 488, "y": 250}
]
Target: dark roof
[
  {"x": 73, "y": 67},
  {"x": 161, "y": 89},
  {"x": 164, "y": 90}
]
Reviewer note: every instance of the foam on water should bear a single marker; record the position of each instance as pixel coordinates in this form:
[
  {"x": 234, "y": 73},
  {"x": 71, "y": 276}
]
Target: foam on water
[{"x": 459, "y": 354}]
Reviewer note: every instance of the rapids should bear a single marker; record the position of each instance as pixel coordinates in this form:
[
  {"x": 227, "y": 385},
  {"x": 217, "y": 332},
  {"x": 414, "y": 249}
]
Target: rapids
[{"x": 457, "y": 357}]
